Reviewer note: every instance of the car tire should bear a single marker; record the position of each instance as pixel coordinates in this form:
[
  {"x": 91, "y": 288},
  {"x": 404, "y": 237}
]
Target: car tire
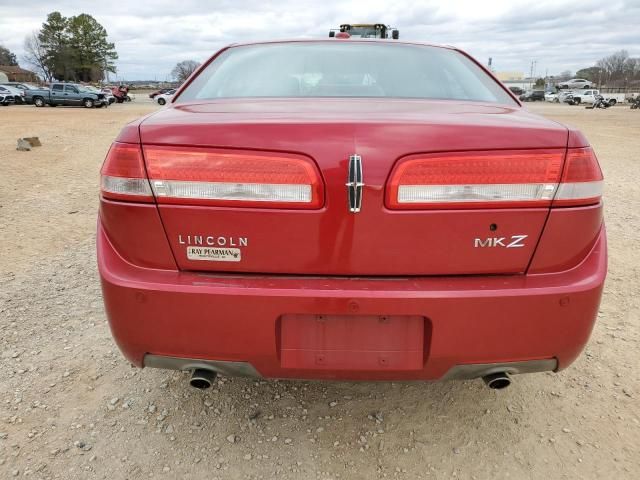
[
  {"x": 39, "y": 102},
  {"x": 162, "y": 101},
  {"x": 577, "y": 101},
  {"x": 586, "y": 87},
  {"x": 88, "y": 103},
  {"x": 556, "y": 100},
  {"x": 612, "y": 102}
]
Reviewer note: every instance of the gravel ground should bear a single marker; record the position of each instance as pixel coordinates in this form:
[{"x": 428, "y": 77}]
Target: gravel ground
[{"x": 71, "y": 407}]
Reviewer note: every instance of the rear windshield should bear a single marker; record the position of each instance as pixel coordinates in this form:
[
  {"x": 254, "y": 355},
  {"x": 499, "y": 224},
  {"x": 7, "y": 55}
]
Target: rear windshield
[{"x": 344, "y": 69}]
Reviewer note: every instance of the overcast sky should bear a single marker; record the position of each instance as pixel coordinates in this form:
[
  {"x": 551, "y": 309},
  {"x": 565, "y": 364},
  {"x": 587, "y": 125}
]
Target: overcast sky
[{"x": 151, "y": 37}]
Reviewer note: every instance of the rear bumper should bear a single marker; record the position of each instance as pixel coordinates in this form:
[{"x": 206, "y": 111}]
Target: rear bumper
[{"x": 232, "y": 323}]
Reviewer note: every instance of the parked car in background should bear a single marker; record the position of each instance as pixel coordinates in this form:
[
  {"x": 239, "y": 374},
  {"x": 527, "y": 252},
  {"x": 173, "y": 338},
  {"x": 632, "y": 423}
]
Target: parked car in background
[
  {"x": 163, "y": 98},
  {"x": 516, "y": 90},
  {"x": 7, "y": 99},
  {"x": 590, "y": 96},
  {"x": 25, "y": 87},
  {"x": 159, "y": 92},
  {"x": 68, "y": 94},
  {"x": 21, "y": 85},
  {"x": 566, "y": 96},
  {"x": 107, "y": 93},
  {"x": 532, "y": 96},
  {"x": 576, "y": 83},
  {"x": 17, "y": 94},
  {"x": 121, "y": 92},
  {"x": 552, "y": 97},
  {"x": 110, "y": 96},
  {"x": 278, "y": 219}
]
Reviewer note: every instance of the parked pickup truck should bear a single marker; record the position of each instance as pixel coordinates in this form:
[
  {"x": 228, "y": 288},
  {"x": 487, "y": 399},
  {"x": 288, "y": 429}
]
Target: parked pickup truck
[
  {"x": 69, "y": 94},
  {"x": 589, "y": 96}
]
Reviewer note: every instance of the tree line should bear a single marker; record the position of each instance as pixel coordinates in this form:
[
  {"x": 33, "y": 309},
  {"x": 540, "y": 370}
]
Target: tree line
[
  {"x": 616, "y": 70},
  {"x": 7, "y": 57},
  {"x": 71, "y": 49}
]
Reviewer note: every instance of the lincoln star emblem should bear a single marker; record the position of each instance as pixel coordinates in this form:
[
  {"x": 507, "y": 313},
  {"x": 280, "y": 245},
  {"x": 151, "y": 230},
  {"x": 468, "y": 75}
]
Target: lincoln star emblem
[{"x": 355, "y": 183}]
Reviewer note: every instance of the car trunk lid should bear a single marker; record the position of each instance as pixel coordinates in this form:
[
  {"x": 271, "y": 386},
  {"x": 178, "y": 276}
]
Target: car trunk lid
[{"x": 332, "y": 240}]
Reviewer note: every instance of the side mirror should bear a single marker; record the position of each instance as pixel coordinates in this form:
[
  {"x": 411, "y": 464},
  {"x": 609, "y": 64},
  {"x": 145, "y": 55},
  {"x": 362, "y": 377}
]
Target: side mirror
[
  {"x": 395, "y": 34},
  {"x": 332, "y": 34}
]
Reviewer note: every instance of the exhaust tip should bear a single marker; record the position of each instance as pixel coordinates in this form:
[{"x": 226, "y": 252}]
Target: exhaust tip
[
  {"x": 202, "y": 379},
  {"x": 497, "y": 381}
]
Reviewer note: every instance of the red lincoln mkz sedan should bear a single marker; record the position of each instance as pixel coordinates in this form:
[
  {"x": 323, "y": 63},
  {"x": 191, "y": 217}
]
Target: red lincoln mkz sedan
[{"x": 350, "y": 209}]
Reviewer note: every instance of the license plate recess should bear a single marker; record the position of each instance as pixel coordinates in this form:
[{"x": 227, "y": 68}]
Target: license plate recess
[{"x": 352, "y": 342}]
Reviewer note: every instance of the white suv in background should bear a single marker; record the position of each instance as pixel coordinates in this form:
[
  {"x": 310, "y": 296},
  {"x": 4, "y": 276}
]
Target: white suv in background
[
  {"x": 576, "y": 83},
  {"x": 163, "y": 98}
]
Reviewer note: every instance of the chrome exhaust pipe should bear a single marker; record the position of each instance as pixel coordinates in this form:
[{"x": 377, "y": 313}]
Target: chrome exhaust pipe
[
  {"x": 202, "y": 379},
  {"x": 498, "y": 380}
]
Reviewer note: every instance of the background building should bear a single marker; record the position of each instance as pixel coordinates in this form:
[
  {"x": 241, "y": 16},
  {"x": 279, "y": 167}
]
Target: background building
[
  {"x": 506, "y": 76},
  {"x": 17, "y": 74}
]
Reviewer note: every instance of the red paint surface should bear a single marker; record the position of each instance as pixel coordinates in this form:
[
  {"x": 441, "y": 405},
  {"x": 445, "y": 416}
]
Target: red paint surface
[
  {"x": 346, "y": 342},
  {"x": 450, "y": 303},
  {"x": 474, "y": 319}
]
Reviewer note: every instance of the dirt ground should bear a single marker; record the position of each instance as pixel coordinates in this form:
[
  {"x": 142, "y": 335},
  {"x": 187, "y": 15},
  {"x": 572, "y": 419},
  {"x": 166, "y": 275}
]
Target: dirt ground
[{"x": 71, "y": 407}]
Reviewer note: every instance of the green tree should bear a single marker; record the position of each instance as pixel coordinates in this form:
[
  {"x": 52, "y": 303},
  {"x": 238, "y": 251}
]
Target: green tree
[
  {"x": 91, "y": 52},
  {"x": 7, "y": 57},
  {"x": 76, "y": 48},
  {"x": 54, "y": 41}
]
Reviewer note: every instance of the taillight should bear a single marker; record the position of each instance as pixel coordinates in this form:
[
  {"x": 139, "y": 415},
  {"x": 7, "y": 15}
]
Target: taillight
[
  {"x": 204, "y": 176},
  {"x": 123, "y": 176},
  {"x": 494, "y": 179},
  {"x": 582, "y": 181}
]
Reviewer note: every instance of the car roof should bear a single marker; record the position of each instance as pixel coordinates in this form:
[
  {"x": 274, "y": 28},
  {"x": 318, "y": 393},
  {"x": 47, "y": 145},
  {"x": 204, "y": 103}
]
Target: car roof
[{"x": 345, "y": 40}]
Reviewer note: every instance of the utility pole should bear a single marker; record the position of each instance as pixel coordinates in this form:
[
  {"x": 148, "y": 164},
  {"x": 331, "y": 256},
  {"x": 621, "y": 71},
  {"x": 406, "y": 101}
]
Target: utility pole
[
  {"x": 533, "y": 69},
  {"x": 546, "y": 79}
]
